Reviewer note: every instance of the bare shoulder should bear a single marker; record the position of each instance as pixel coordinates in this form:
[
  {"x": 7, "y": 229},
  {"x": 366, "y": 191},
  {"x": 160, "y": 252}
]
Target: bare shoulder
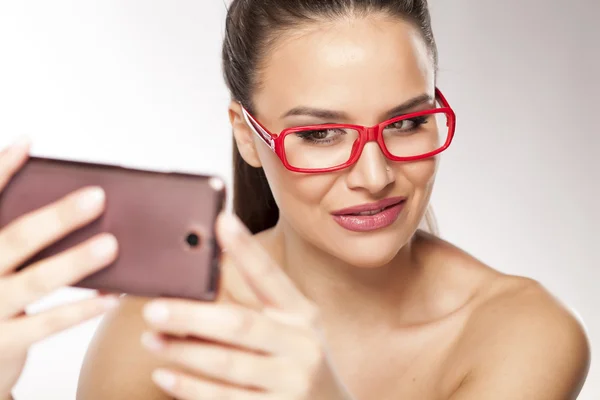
[
  {"x": 516, "y": 340},
  {"x": 522, "y": 341},
  {"x": 116, "y": 365},
  {"x": 513, "y": 306}
]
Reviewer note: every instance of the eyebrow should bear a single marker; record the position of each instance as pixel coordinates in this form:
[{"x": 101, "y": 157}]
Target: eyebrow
[{"x": 321, "y": 113}]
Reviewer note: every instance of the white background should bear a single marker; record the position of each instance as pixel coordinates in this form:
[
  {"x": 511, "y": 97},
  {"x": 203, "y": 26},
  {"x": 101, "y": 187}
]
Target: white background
[{"x": 139, "y": 83}]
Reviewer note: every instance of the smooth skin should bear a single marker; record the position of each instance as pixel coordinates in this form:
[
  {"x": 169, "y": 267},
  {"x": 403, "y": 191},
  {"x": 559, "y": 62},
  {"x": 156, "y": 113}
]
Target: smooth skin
[
  {"x": 310, "y": 311},
  {"x": 23, "y": 238},
  {"x": 393, "y": 314}
]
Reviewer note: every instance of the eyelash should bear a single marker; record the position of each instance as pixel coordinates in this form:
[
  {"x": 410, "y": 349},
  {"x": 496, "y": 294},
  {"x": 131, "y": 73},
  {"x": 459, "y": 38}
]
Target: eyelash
[
  {"x": 417, "y": 121},
  {"x": 307, "y": 136}
]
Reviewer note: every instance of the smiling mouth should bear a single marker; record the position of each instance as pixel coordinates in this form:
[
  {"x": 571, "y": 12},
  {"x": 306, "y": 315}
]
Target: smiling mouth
[
  {"x": 370, "y": 217},
  {"x": 372, "y": 212},
  {"x": 371, "y": 208}
]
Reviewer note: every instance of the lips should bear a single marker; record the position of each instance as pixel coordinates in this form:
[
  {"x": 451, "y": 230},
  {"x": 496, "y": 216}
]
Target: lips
[
  {"x": 370, "y": 217},
  {"x": 371, "y": 208}
]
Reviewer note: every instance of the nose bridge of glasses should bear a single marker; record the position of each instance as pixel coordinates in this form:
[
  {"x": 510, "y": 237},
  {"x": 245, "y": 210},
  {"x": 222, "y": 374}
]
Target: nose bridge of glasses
[{"x": 372, "y": 133}]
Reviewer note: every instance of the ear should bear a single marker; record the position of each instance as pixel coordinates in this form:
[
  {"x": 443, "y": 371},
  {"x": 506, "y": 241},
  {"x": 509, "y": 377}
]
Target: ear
[{"x": 243, "y": 135}]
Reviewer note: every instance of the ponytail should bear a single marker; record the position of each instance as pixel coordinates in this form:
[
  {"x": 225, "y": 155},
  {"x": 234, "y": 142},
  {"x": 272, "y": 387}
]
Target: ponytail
[
  {"x": 250, "y": 27},
  {"x": 253, "y": 201}
]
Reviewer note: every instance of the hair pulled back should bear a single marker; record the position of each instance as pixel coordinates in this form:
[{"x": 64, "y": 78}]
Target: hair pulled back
[{"x": 251, "y": 28}]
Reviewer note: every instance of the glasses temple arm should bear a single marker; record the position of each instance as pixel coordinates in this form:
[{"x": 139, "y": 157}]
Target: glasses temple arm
[{"x": 257, "y": 129}]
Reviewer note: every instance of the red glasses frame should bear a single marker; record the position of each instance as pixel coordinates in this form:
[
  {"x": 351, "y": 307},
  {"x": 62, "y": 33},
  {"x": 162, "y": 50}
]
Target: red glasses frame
[{"x": 366, "y": 134}]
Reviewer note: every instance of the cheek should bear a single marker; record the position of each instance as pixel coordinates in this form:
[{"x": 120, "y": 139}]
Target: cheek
[
  {"x": 295, "y": 193},
  {"x": 420, "y": 175}
]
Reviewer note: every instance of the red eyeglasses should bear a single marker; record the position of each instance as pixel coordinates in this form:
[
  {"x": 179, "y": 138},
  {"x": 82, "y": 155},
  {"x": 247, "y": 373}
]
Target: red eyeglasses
[{"x": 331, "y": 147}]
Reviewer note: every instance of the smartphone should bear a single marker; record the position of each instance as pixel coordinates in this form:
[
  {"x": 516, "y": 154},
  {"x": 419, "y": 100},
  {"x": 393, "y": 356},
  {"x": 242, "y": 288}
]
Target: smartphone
[{"x": 164, "y": 223}]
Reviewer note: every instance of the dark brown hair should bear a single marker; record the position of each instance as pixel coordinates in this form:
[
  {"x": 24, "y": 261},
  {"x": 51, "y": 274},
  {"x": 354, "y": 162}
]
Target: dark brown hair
[{"x": 251, "y": 28}]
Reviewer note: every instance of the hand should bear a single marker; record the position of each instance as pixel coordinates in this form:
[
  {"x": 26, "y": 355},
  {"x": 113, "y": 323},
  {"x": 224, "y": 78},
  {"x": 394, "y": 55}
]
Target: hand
[
  {"x": 23, "y": 238},
  {"x": 231, "y": 351}
]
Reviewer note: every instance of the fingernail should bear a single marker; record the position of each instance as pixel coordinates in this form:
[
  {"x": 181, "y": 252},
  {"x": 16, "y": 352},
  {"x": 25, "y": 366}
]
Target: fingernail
[
  {"x": 163, "y": 378},
  {"x": 231, "y": 224},
  {"x": 91, "y": 199},
  {"x": 104, "y": 246},
  {"x": 156, "y": 313},
  {"x": 110, "y": 302},
  {"x": 151, "y": 341}
]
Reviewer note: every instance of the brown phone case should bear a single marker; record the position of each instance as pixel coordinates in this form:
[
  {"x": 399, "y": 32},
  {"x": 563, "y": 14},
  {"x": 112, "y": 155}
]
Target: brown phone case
[{"x": 155, "y": 216}]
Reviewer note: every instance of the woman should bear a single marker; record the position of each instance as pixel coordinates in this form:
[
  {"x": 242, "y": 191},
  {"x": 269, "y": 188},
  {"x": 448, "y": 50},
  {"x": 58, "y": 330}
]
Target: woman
[{"x": 334, "y": 292}]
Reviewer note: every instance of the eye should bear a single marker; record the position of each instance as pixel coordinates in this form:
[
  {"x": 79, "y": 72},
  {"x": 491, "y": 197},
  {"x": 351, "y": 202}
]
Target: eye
[
  {"x": 316, "y": 135},
  {"x": 407, "y": 125},
  {"x": 322, "y": 136}
]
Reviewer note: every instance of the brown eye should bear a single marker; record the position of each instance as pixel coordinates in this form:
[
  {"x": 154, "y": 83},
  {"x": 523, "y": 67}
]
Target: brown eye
[
  {"x": 407, "y": 125},
  {"x": 318, "y": 134},
  {"x": 404, "y": 124}
]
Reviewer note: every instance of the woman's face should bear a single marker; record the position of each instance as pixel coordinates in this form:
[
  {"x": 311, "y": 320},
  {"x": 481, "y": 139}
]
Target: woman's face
[{"x": 360, "y": 69}]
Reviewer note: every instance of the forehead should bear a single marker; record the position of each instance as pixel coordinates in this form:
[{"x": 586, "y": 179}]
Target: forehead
[{"x": 355, "y": 65}]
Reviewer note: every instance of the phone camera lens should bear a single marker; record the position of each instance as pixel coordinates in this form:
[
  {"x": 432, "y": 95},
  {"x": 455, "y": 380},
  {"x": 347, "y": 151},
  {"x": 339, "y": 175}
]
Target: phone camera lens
[{"x": 193, "y": 240}]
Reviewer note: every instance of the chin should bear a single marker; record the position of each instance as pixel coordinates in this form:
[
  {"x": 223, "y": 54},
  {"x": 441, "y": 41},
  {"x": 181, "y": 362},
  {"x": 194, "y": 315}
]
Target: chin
[
  {"x": 370, "y": 250},
  {"x": 368, "y": 260}
]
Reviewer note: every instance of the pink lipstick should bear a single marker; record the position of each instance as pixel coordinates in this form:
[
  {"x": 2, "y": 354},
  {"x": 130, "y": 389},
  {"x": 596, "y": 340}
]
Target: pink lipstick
[{"x": 370, "y": 217}]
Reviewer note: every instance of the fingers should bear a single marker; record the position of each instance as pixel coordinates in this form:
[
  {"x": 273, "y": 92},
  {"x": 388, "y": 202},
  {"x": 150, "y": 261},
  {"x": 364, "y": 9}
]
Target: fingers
[
  {"x": 26, "y": 236},
  {"x": 267, "y": 279},
  {"x": 223, "y": 364},
  {"x": 185, "y": 387},
  {"x": 235, "y": 288},
  {"x": 20, "y": 333},
  {"x": 232, "y": 325},
  {"x": 11, "y": 159},
  {"x": 40, "y": 279}
]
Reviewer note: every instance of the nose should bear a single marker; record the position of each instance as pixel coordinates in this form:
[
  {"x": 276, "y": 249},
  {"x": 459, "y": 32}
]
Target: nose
[{"x": 371, "y": 172}]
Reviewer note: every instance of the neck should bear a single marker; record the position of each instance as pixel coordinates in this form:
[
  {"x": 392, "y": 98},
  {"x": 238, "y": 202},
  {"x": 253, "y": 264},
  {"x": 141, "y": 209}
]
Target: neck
[{"x": 346, "y": 293}]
